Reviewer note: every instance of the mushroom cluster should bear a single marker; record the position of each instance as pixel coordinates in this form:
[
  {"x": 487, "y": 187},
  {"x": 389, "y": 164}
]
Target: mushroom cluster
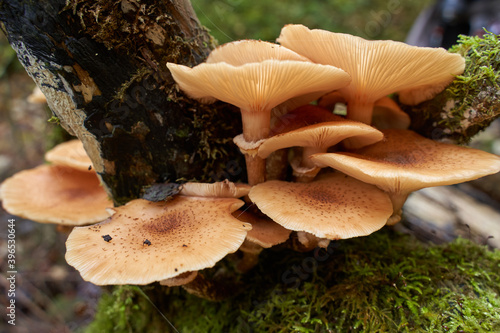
[{"x": 314, "y": 174}]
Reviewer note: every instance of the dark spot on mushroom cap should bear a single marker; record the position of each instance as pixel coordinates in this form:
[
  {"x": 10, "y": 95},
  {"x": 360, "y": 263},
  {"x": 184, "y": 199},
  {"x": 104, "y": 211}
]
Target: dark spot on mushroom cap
[
  {"x": 184, "y": 245},
  {"x": 90, "y": 167},
  {"x": 146, "y": 242},
  {"x": 107, "y": 238}
]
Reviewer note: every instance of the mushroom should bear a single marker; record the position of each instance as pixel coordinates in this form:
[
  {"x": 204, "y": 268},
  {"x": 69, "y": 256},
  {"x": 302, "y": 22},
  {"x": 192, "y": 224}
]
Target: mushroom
[
  {"x": 377, "y": 68},
  {"x": 256, "y": 88},
  {"x": 315, "y": 138},
  {"x": 224, "y": 189},
  {"x": 265, "y": 233},
  {"x": 56, "y": 194},
  {"x": 71, "y": 154},
  {"x": 334, "y": 207},
  {"x": 405, "y": 162},
  {"x": 184, "y": 234}
]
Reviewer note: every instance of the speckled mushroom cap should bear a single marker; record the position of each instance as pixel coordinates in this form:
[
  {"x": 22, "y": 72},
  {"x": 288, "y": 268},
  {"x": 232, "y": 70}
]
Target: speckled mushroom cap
[
  {"x": 56, "y": 194},
  {"x": 334, "y": 207},
  {"x": 148, "y": 241},
  {"x": 247, "y": 51},
  {"x": 406, "y": 161},
  {"x": 378, "y": 68},
  {"x": 70, "y": 153},
  {"x": 265, "y": 232},
  {"x": 224, "y": 189}
]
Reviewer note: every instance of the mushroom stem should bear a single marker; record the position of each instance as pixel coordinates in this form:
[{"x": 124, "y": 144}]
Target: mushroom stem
[
  {"x": 255, "y": 127},
  {"x": 307, "y": 164},
  {"x": 360, "y": 111},
  {"x": 398, "y": 200}
]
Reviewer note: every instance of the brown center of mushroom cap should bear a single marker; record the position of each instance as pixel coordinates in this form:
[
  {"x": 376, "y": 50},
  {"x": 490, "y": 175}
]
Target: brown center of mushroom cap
[{"x": 152, "y": 241}]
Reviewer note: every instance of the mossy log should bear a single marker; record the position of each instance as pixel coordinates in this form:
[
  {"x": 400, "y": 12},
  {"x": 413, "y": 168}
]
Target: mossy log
[{"x": 102, "y": 67}]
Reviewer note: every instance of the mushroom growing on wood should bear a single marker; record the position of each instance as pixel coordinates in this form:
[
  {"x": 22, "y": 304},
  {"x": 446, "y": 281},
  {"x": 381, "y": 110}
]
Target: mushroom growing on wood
[
  {"x": 405, "y": 162},
  {"x": 56, "y": 194},
  {"x": 223, "y": 189},
  {"x": 334, "y": 207},
  {"x": 185, "y": 234},
  {"x": 256, "y": 87},
  {"x": 377, "y": 68},
  {"x": 315, "y": 138}
]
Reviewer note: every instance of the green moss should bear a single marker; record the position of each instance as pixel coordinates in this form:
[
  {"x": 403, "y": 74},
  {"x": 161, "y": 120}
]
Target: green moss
[
  {"x": 382, "y": 283},
  {"x": 471, "y": 102}
]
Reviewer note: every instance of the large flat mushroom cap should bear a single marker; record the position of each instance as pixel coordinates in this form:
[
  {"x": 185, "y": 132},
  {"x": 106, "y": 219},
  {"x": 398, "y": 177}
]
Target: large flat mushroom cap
[
  {"x": 406, "y": 161},
  {"x": 378, "y": 68},
  {"x": 71, "y": 154},
  {"x": 334, "y": 207},
  {"x": 153, "y": 241},
  {"x": 257, "y": 86},
  {"x": 56, "y": 194},
  {"x": 265, "y": 232},
  {"x": 247, "y": 51}
]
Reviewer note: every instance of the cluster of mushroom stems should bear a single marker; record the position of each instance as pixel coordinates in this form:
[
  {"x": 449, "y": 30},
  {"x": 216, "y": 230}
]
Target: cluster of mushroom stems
[{"x": 351, "y": 173}]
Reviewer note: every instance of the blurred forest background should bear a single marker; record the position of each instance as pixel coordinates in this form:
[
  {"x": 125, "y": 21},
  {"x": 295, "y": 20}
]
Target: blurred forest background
[{"x": 51, "y": 296}]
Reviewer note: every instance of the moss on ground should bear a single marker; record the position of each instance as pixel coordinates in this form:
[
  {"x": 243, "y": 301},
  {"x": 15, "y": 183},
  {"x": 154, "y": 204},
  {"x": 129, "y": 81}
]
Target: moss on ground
[{"x": 386, "y": 282}]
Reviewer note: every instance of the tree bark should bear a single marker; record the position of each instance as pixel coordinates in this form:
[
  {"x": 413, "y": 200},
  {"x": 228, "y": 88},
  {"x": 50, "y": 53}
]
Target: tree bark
[{"x": 102, "y": 66}]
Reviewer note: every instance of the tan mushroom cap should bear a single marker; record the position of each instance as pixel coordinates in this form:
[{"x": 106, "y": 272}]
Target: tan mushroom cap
[
  {"x": 256, "y": 87},
  {"x": 406, "y": 161},
  {"x": 378, "y": 68},
  {"x": 247, "y": 51},
  {"x": 265, "y": 232},
  {"x": 184, "y": 234},
  {"x": 334, "y": 207},
  {"x": 322, "y": 136},
  {"x": 56, "y": 194},
  {"x": 70, "y": 153},
  {"x": 180, "y": 279},
  {"x": 224, "y": 189}
]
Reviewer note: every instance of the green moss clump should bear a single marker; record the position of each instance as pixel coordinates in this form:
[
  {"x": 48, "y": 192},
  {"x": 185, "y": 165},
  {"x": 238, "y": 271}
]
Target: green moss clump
[
  {"x": 382, "y": 283},
  {"x": 471, "y": 102}
]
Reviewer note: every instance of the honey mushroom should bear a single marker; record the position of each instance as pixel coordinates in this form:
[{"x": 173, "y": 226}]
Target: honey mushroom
[{"x": 405, "y": 162}]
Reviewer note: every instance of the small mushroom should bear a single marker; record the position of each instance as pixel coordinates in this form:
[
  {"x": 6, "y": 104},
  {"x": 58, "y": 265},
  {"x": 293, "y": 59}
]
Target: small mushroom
[
  {"x": 186, "y": 234},
  {"x": 71, "y": 154},
  {"x": 265, "y": 233},
  {"x": 377, "y": 68},
  {"x": 316, "y": 138},
  {"x": 223, "y": 189},
  {"x": 405, "y": 162},
  {"x": 333, "y": 207},
  {"x": 256, "y": 88},
  {"x": 56, "y": 194}
]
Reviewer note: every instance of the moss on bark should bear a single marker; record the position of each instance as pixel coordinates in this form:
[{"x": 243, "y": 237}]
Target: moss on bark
[{"x": 383, "y": 283}]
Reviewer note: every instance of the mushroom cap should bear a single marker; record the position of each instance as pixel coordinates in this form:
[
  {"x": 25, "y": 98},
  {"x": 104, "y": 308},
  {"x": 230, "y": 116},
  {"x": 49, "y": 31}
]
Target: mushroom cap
[
  {"x": 334, "y": 207},
  {"x": 406, "y": 162},
  {"x": 71, "y": 154},
  {"x": 378, "y": 68},
  {"x": 56, "y": 194},
  {"x": 180, "y": 279},
  {"x": 184, "y": 234},
  {"x": 259, "y": 86},
  {"x": 224, "y": 189},
  {"x": 322, "y": 135},
  {"x": 265, "y": 232},
  {"x": 247, "y": 51}
]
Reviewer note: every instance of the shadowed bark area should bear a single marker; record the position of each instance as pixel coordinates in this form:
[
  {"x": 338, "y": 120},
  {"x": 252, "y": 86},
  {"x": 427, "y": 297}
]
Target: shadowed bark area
[{"x": 102, "y": 66}]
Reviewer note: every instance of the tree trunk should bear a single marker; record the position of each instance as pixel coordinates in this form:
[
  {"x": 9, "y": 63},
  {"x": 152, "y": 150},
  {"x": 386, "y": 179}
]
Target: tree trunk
[{"x": 102, "y": 67}]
